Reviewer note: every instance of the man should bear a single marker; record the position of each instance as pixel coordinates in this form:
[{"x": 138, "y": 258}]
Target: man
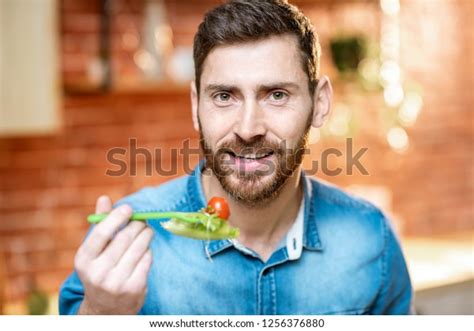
[{"x": 304, "y": 248}]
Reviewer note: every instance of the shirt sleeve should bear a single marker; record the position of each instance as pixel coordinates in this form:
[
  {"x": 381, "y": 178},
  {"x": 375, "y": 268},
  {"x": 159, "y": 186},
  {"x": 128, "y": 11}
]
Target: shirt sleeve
[
  {"x": 396, "y": 294},
  {"x": 71, "y": 295}
]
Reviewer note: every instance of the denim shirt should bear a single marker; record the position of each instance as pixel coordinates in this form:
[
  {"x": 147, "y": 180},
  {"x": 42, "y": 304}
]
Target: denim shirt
[{"x": 351, "y": 262}]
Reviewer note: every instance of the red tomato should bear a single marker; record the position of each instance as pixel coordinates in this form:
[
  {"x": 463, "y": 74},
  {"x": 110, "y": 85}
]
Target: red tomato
[{"x": 218, "y": 205}]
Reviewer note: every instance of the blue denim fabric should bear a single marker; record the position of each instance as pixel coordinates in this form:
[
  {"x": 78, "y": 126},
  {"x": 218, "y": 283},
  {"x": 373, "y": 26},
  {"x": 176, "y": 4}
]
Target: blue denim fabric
[{"x": 351, "y": 263}]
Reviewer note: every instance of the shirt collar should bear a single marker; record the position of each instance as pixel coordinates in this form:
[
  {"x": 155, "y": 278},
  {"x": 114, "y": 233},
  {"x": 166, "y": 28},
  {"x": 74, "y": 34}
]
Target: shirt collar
[
  {"x": 293, "y": 240},
  {"x": 197, "y": 201},
  {"x": 311, "y": 239}
]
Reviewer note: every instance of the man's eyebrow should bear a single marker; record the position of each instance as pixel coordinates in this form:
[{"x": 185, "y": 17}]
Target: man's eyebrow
[
  {"x": 218, "y": 87},
  {"x": 273, "y": 86},
  {"x": 262, "y": 87}
]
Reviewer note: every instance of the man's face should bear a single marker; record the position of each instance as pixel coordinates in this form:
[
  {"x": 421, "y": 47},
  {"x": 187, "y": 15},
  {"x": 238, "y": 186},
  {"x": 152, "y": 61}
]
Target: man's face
[{"x": 254, "y": 115}]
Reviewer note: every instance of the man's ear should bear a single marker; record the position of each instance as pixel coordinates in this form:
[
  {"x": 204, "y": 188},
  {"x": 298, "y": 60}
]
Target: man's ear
[
  {"x": 322, "y": 101},
  {"x": 194, "y": 105}
]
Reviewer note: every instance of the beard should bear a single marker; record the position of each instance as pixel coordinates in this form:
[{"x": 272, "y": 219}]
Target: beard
[{"x": 258, "y": 187}]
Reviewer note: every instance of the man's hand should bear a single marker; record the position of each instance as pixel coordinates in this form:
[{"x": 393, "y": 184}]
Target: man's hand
[{"x": 113, "y": 264}]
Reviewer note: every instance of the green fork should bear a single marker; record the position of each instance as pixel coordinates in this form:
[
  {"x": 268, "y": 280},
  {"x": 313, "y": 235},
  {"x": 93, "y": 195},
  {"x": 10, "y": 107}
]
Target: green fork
[{"x": 197, "y": 225}]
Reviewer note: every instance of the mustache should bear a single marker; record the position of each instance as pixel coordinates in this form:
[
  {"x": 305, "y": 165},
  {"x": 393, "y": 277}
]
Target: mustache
[{"x": 258, "y": 146}]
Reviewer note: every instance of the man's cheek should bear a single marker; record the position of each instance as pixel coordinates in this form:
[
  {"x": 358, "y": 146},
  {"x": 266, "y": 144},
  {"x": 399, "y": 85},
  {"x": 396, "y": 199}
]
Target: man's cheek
[{"x": 208, "y": 139}]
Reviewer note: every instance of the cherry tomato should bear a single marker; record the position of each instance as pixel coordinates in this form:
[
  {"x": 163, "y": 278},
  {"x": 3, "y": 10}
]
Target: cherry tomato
[{"x": 218, "y": 205}]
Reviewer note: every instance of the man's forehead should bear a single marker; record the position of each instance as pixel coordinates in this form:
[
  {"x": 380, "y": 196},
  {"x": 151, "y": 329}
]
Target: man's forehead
[{"x": 261, "y": 62}]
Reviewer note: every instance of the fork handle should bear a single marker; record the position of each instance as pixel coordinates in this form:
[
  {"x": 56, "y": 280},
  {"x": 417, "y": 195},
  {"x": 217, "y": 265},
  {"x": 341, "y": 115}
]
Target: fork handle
[{"x": 97, "y": 218}]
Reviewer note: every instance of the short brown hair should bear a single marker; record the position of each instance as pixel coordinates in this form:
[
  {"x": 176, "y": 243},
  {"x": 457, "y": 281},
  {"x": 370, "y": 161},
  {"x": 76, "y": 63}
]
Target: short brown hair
[{"x": 248, "y": 20}]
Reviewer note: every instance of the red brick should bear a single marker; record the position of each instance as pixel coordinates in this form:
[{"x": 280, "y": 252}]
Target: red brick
[
  {"x": 17, "y": 287},
  {"x": 50, "y": 281},
  {"x": 81, "y": 22},
  {"x": 21, "y": 242},
  {"x": 25, "y": 221},
  {"x": 127, "y": 22},
  {"x": 70, "y": 6},
  {"x": 72, "y": 238},
  {"x": 75, "y": 43}
]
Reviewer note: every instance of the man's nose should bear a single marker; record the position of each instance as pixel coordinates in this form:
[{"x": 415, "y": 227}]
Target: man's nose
[{"x": 250, "y": 121}]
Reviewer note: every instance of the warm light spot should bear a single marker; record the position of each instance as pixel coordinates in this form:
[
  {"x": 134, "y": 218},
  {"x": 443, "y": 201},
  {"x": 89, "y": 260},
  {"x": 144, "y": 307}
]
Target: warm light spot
[
  {"x": 339, "y": 122},
  {"x": 369, "y": 69},
  {"x": 390, "y": 73},
  {"x": 393, "y": 95},
  {"x": 398, "y": 139},
  {"x": 314, "y": 135},
  {"x": 410, "y": 108},
  {"x": 145, "y": 61},
  {"x": 390, "y": 7},
  {"x": 163, "y": 38},
  {"x": 96, "y": 70},
  {"x": 130, "y": 40}
]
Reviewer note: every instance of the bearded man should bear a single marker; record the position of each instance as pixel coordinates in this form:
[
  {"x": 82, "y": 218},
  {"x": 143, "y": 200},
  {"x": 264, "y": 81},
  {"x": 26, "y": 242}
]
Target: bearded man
[{"x": 305, "y": 247}]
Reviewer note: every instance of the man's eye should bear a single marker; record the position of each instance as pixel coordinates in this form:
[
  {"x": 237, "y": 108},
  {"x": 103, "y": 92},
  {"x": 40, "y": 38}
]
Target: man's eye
[
  {"x": 222, "y": 97},
  {"x": 278, "y": 95}
]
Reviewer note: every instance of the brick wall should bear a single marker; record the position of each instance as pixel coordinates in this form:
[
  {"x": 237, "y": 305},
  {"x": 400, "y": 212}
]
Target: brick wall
[{"x": 49, "y": 184}]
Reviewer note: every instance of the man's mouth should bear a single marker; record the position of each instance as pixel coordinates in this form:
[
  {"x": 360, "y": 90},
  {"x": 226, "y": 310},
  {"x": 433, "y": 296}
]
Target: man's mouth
[
  {"x": 251, "y": 157},
  {"x": 249, "y": 162}
]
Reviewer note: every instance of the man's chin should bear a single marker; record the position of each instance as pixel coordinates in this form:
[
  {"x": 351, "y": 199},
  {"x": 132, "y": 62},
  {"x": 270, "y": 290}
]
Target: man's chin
[
  {"x": 250, "y": 190},
  {"x": 250, "y": 182}
]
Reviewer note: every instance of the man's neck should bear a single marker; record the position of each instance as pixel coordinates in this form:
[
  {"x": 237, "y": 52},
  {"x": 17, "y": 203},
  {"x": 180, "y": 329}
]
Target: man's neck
[{"x": 261, "y": 228}]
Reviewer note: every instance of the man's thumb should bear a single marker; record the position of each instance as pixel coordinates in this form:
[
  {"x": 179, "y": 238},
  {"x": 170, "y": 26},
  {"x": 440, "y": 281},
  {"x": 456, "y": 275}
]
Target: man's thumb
[{"x": 103, "y": 205}]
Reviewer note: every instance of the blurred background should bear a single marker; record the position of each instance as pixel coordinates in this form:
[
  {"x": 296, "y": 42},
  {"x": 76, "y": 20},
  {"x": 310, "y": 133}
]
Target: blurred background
[{"x": 79, "y": 77}]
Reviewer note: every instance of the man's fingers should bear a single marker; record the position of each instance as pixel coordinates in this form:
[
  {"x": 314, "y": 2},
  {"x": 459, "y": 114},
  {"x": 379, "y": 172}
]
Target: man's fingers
[
  {"x": 103, "y": 205},
  {"x": 120, "y": 243},
  {"x": 105, "y": 230},
  {"x": 134, "y": 253},
  {"x": 138, "y": 279}
]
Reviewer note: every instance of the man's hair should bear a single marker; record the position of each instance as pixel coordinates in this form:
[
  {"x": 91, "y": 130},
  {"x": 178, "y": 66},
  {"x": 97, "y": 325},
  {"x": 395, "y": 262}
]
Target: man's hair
[{"x": 240, "y": 21}]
